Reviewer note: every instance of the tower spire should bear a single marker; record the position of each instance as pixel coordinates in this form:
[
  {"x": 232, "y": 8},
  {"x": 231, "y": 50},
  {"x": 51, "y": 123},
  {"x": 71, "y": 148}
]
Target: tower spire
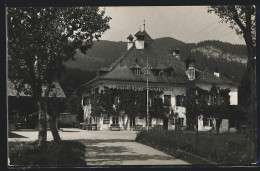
[{"x": 144, "y": 25}]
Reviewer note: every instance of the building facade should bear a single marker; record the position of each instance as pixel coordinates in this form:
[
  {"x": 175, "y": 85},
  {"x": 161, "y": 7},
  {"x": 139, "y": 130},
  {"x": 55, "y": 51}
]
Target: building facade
[
  {"x": 146, "y": 64},
  {"x": 22, "y": 110}
]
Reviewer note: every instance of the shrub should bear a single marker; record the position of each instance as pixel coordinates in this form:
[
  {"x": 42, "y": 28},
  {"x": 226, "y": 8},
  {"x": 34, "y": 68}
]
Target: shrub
[
  {"x": 65, "y": 153},
  {"x": 228, "y": 149}
]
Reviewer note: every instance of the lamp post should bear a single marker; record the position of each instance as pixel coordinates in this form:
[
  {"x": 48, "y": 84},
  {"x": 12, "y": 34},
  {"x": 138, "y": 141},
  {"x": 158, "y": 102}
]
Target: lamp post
[{"x": 147, "y": 91}]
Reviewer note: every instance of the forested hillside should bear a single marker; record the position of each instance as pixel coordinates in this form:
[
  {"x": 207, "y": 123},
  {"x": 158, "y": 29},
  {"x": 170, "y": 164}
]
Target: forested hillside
[
  {"x": 103, "y": 53},
  {"x": 228, "y": 58}
]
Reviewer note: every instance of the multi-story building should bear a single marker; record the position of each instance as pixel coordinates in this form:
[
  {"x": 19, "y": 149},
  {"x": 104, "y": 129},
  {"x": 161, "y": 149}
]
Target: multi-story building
[{"x": 146, "y": 63}]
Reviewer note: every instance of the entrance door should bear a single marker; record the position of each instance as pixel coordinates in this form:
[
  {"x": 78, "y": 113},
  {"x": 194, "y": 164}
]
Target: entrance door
[
  {"x": 115, "y": 120},
  {"x": 165, "y": 124},
  {"x": 132, "y": 122}
]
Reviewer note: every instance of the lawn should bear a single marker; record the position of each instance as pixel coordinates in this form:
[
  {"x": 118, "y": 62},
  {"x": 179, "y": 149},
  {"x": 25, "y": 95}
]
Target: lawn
[
  {"x": 224, "y": 149},
  {"x": 65, "y": 153}
]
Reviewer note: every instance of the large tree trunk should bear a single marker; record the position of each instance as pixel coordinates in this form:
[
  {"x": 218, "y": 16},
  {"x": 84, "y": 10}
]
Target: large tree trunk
[
  {"x": 54, "y": 131},
  {"x": 42, "y": 125},
  {"x": 252, "y": 70},
  {"x": 251, "y": 64},
  {"x": 51, "y": 107}
]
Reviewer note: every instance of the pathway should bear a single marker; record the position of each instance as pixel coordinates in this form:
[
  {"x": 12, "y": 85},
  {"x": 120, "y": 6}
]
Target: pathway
[{"x": 110, "y": 147}]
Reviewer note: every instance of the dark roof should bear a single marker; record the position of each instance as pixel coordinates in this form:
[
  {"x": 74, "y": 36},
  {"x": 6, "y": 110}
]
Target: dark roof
[
  {"x": 57, "y": 90},
  {"x": 130, "y": 37},
  {"x": 157, "y": 59},
  {"x": 125, "y": 73},
  {"x": 207, "y": 77},
  {"x": 139, "y": 33}
]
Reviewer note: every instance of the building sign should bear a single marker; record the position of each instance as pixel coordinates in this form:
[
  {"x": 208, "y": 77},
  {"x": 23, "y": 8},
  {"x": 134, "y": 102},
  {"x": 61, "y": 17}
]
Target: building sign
[
  {"x": 144, "y": 88},
  {"x": 106, "y": 121}
]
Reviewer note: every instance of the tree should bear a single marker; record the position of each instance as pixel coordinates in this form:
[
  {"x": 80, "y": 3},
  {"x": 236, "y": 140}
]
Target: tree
[
  {"x": 196, "y": 106},
  {"x": 41, "y": 39},
  {"x": 199, "y": 103},
  {"x": 242, "y": 20}
]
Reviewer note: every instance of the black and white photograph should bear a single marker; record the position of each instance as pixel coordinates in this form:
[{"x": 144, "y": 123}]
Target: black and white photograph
[{"x": 95, "y": 86}]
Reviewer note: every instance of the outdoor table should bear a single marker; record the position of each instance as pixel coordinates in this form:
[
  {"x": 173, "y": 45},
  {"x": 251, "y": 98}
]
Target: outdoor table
[
  {"x": 92, "y": 127},
  {"x": 138, "y": 127}
]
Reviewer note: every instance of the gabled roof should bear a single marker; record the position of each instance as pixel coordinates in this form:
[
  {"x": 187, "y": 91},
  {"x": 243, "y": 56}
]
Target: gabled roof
[
  {"x": 56, "y": 89},
  {"x": 137, "y": 66},
  {"x": 157, "y": 59},
  {"x": 139, "y": 33},
  {"x": 130, "y": 37},
  {"x": 207, "y": 77}
]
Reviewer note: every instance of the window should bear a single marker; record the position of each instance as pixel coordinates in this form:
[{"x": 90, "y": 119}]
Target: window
[
  {"x": 167, "y": 100},
  {"x": 180, "y": 99},
  {"x": 207, "y": 122},
  {"x": 132, "y": 121},
  {"x": 86, "y": 100},
  {"x": 220, "y": 100},
  {"x": 207, "y": 98},
  {"x": 116, "y": 100},
  {"x": 137, "y": 71},
  {"x": 151, "y": 100},
  {"x": 181, "y": 122},
  {"x": 115, "y": 120},
  {"x": 213, "y": 99},
  {"x": 170, "y": 72}
]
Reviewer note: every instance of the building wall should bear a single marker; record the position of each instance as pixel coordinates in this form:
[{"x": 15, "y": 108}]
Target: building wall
[
  {"x": 139, "y": 44},
  {"x": 179, "y": 109},
  {"x": 167, "y": 90},
  {"x": 233, "y": 91},
  {"x": 233, "y": 101}
]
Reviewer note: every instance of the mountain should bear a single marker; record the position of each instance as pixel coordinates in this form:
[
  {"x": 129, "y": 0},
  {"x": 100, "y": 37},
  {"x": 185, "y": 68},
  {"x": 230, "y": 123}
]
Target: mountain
[
  {"x": 226, "y": 51},
  {"x": 103, "y": 53},
  {"x": 169, "y": 42},
  {"x": 228, "y": 58}
]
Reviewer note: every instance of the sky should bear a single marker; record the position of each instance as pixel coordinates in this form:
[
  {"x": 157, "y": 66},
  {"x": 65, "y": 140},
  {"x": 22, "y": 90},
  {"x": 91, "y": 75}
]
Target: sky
[{"x": 190, "y": 24}]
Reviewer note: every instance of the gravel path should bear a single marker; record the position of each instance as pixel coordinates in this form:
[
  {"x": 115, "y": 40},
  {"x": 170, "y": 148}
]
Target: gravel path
[{"x": 109, "y": 147}]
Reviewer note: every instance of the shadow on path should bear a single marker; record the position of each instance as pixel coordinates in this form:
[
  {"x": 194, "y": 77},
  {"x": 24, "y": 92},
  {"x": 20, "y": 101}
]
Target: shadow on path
[
  {"x": 14, "y": 135},
  {"x": 118, "y": 151}
]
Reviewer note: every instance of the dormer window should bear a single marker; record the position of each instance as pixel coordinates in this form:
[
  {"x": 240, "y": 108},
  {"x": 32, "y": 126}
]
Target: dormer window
[
  {"x": 156, "y": 72},
  {"x": 170, "y": 72},
  {"x": 137, "y": 71}
]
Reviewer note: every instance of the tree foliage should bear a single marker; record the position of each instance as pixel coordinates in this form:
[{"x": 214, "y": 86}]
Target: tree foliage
[
  {"x": 73, "y": 104},
  {"x": 198, "y": 104},
  {"x": 41, "y": 39},
  {"x": 133, "y": 103},
  {"x": 242, "y": 18}
]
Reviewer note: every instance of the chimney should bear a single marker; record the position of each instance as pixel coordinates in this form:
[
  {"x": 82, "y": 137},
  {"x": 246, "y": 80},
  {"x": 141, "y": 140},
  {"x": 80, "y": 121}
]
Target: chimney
[
  {"x": 139, "y": 43},
  {"x": 216, "y": 73},
  {"x": 130, "y": 42},
  {"x": 176, "y": 53},
  {"x": 190, "y": 68}
]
